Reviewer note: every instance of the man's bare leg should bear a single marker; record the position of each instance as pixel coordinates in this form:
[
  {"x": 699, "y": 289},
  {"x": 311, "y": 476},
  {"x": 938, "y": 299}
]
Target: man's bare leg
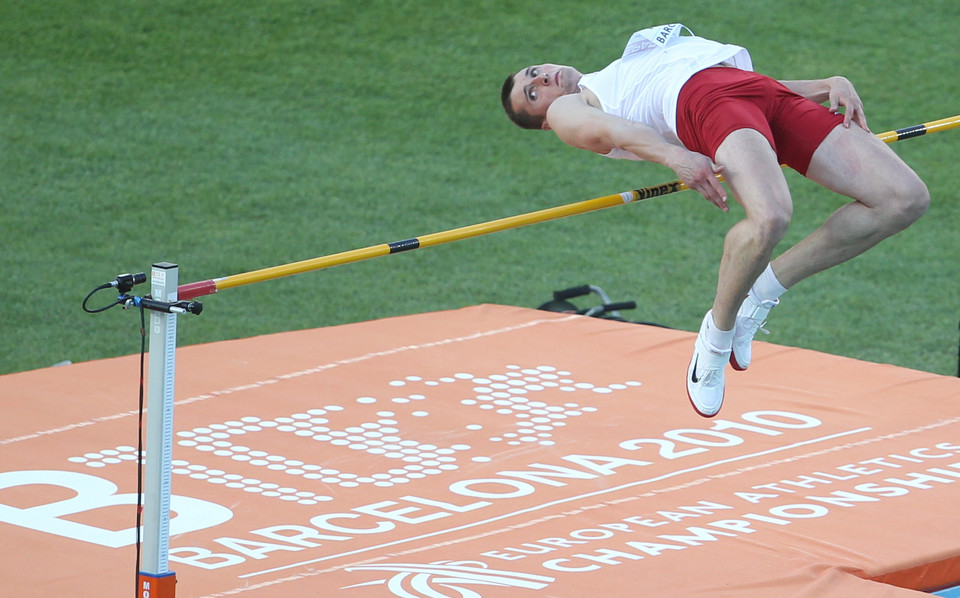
[
  {"x": 756, "y": 180},
  {"x": 888, "y": 196}
]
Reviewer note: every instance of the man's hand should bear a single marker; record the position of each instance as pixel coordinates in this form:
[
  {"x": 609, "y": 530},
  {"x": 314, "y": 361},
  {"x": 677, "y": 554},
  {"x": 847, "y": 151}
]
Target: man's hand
[
  {"x": 843, "y": 94},
  {"x": 699, "y": 173},
  {"x": 839, "y": 91}
]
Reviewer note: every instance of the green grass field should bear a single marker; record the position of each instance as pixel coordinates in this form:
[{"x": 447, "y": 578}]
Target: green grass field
[{"x": 232, "y": 136}]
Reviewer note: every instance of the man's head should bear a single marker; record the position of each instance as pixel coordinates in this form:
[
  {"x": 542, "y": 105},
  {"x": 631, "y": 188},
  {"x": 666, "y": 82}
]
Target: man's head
[{"x": 526, "y": 95}]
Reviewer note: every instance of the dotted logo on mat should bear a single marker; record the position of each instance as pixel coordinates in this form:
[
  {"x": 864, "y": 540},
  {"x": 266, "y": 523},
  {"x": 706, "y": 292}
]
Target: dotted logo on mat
[{"x": 525, "y": 397}]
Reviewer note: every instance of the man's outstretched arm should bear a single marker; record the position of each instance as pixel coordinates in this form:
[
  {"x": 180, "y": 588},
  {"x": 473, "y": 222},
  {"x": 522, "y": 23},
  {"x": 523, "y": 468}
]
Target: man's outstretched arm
[{"x": 581, "y": 125}]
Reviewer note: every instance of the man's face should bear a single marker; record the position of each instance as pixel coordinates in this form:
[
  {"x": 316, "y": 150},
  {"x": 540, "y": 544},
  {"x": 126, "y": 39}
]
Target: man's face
[{"x": 536, "y": 87}]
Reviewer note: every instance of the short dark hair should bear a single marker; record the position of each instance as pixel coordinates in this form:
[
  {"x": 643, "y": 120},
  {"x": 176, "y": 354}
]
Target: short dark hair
[{"x": 520, "y": 118}]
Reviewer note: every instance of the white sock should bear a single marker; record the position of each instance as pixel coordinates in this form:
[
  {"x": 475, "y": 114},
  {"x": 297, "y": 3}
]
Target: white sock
[
  {"x": 767, "y": 287},
  {"x": 720, "y": 339}
]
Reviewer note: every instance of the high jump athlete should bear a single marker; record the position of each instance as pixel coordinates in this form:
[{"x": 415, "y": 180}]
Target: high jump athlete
[{"x": 695, "y": 106}]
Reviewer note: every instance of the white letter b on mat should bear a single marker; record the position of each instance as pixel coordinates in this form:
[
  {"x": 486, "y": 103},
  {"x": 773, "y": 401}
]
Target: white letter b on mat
[{"x": 94, "y": 493}]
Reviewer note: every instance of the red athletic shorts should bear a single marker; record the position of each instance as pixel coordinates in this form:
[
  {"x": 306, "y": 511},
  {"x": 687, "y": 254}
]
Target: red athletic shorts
[{"x": 717, "y": 101}]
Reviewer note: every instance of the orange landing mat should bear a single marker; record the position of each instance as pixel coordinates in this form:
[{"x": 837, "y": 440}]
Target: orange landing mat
[{"x": 489, "y": 452}]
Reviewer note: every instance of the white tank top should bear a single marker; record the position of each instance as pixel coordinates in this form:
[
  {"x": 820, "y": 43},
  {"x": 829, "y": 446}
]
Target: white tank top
[{"x": 643, "y": 85}]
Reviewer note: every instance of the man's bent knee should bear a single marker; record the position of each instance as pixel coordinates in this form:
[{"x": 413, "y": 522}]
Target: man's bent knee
[
  {"x": 919, "y": 201},
  {"x": 911, "y": 201},
  {"x": 770, "y": 226},
  {"x": 760, "y": 234}
]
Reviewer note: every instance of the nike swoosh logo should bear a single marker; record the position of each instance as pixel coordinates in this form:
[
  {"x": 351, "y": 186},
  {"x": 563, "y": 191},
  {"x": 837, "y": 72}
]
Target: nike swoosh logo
[{"x": 693, "y": 373}]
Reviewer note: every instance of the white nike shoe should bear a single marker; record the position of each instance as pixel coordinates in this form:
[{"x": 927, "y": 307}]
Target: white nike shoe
[
  {"x": 750, "y": 318},
  {"x": 705, "y": 380}
]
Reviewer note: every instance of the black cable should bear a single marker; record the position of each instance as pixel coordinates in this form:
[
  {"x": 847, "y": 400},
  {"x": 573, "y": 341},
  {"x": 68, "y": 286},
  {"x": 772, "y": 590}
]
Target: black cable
[
  {"x": 119, "y": 300},
  {"x": 140, "y": 455},
  {"x": 123, "y": 283}
]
